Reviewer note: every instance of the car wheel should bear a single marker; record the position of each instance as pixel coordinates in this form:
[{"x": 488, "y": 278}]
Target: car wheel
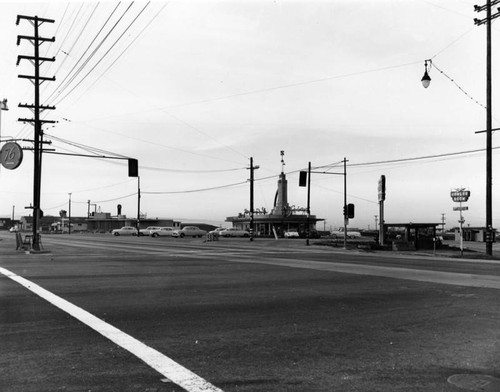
[
  {"x": 154, "y": 235},
  {"x": 246, "y": 235},
  {"x": 117, "y": 234},
  {"x": 181, "y": 235}
]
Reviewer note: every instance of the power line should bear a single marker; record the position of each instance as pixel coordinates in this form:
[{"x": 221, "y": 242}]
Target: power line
[
  {"x": 91, "y": 56},
  {"x": 196, "y": 190}
]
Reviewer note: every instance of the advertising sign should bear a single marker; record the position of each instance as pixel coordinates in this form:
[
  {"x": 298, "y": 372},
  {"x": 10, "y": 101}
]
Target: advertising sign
[
  {"x": 11, "y": 155},
  {"x": 381, "y": 188}
]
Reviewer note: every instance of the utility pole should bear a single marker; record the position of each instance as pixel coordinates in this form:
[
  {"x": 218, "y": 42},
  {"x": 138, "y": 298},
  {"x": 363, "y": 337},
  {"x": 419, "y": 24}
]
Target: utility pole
[
  {"x": 37, "y": 108},
  {"x": 489, "y": 171},
  {"x": 252, "y": 168},
  {"x": 69, "y": 215}
]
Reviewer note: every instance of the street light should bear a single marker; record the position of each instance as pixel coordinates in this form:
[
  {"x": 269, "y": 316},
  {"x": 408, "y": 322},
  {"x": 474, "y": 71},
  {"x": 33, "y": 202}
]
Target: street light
[{"x": 426, "y": 79}]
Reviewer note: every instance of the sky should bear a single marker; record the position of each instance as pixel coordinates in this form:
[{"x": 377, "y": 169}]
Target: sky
[{"x": 194, "y": 89}]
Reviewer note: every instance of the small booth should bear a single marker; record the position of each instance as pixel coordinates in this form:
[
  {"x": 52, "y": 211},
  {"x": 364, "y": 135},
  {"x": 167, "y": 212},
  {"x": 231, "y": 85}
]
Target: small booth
[{"x": 410, "y": 236}]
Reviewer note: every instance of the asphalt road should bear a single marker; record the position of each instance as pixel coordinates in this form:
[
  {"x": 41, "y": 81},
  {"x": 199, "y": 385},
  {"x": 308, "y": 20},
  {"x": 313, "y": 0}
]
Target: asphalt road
[{"x": 100, "y": 313}]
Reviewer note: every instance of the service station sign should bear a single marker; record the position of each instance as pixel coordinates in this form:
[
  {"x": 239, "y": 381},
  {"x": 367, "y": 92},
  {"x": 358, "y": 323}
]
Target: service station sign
[{"x": 11, "y": 155}]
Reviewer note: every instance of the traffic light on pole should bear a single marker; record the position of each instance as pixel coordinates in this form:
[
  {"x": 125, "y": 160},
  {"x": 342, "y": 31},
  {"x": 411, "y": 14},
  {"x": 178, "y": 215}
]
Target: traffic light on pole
[
  {"x": 303, "y": 178},
  {"x": 133, "y": 167},
  {"x": 350, "y": 211}
]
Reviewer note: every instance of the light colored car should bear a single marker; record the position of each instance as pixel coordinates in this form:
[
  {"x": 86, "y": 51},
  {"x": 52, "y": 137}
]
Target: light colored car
[
  {"x": 189, "y": 231},
  {"x": 234, "y": 232},
  {"x": 292, "y": 234},
  {"x": 216, "y": 231},
  {"x": 149, "y": 230},
  {"x": 125, "y": 230},
  {"x": 162, "y": 232}
]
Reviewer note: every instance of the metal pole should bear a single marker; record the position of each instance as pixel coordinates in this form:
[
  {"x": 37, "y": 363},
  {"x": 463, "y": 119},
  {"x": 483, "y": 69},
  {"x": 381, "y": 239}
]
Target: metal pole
[
  {"x": 345, "y": 203},
  {"x": 461, "y": 232},
  {"x": 308, "y": 233},
  {"x": 251, "y": 198},
  {"x": 138, "y": 205}
]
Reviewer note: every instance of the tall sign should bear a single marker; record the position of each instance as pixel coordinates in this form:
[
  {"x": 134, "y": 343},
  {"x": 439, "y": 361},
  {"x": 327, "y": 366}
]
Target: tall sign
[
  {"x": 381, "y": 199},
  {"x": 460, "y": 195}
]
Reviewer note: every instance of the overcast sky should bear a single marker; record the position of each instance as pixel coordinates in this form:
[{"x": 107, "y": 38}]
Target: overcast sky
[{"x": 193, "y": 89}]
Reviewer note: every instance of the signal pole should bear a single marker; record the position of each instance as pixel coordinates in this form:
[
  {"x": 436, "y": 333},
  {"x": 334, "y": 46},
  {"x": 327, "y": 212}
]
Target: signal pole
[
  {"x": 252, "y": 168},
  {"x": 37, "y": 108}
]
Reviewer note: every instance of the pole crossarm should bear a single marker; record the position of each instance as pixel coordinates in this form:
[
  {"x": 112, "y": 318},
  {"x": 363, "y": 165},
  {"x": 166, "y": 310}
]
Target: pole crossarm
[
  {"x": 42, "y": 78},
  {"x": 32, "y": 120},
  {"x": 479, "y": 22},
  {"x": 33, "y": 58},
  {"x": 32, "y": 39},
  {"x": 479, "y": 8},
  {"x": 33, "y": 19},
  {"x": 31, "y": 106}
]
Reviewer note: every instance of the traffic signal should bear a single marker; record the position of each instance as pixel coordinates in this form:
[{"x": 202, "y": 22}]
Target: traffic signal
[
  {"x": 133, "y": 167},
  {"x": 303, "y": 178},
  {"x": 350, "y": 211}
]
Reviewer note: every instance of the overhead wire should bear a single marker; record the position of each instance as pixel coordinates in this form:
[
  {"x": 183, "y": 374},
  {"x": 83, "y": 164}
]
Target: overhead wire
[{"x": 66, "y": 86}]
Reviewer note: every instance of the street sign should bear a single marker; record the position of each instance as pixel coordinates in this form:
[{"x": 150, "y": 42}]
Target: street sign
[{"x": 460, "y": 208}]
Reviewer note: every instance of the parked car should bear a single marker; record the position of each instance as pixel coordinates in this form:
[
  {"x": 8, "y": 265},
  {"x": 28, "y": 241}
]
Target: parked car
[
  {"x": 162, "y": 232},
  {"x": 234, "y": 232},
  {"x": 339, "y": 233},
  {"x": 148, "y": 230},
  {"x": 292, "y": 234},
  {"x": 216, "y": 231},
  {"x": 189, "y": 231},
  {"x": 125, "y": 230}
]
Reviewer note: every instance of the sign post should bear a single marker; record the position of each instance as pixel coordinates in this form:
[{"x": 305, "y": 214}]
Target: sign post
[
  {"x": 381, "y": 199},
  {"x": 460, "y": 195}
]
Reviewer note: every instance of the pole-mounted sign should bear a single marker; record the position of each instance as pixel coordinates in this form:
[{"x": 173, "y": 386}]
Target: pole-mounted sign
[
  {"x": 11, "y": 155},
  {"x": 460, "y": 195}
]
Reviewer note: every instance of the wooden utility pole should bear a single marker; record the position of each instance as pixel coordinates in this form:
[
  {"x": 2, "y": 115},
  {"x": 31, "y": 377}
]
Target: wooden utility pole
[
  {"x": 36, "y": 108},
  {"x": 489, "y": 171}
]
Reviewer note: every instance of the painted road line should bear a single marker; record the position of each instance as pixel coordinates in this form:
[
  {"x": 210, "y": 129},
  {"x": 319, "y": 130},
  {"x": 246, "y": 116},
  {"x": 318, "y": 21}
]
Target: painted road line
[{"x": 158, "y": 361}]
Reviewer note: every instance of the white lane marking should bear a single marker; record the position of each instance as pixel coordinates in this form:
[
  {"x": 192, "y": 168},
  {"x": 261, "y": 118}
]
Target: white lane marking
[{"x": 158, "y": 361}]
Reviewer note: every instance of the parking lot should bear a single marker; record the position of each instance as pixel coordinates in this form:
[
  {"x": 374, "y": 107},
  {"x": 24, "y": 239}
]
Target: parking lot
[{"x": 237, "y": 315}]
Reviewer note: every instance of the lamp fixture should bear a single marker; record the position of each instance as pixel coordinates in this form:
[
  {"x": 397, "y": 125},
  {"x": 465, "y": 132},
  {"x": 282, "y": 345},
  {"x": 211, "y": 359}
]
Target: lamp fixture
[{"x": 426, "y": 79}]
